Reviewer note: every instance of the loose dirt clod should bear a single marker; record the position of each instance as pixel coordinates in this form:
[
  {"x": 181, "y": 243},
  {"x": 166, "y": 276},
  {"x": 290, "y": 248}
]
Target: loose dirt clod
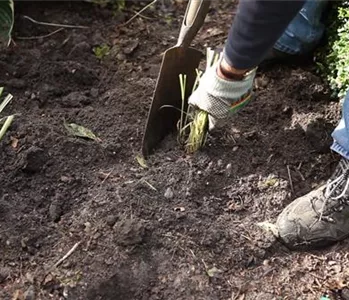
[
  {"x": 55, "y": 211},
  {"x": 129, "y": 232}
]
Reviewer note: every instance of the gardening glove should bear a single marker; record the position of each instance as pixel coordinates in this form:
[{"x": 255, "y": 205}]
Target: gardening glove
[{"x": 220, "y": 97}]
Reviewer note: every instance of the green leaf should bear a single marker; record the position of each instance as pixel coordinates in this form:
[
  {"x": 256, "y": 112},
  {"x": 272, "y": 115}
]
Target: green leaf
[
  {"x": 6, "y": 101},
  {"x": 6, "y": 21},
  {"x": 80, "y": 131},
  {"x": 101, "y": 51}
]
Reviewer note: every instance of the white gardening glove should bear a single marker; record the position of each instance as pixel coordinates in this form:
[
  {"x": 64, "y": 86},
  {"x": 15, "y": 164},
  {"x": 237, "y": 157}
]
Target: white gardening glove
[{"x": 220, "y": 97}]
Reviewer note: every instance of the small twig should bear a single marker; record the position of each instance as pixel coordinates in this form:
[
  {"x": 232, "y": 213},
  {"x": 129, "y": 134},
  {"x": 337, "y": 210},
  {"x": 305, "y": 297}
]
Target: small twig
[
  {"x": 107, "y": 176},
  {"x": 67, "y": 255},
  {"x": 138, "y": 13},
  {"x": 142, "y": 16},
  {"x": 206, "y": 267},
  {"x": 54, "y": 24},
  {"x": 290, "y": 178},
  {"x": 301, "y": 175},
  {"x": 40, "y": 36},
  {"x": 148, "y": 184},
  {"x": 192, "y": 253}
]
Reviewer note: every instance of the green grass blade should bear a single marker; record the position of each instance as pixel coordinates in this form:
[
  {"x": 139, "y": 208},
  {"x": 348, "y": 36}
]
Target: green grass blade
[
  {"x": 182, "y": 82},
  {"x": 6, "y": 125},
  {"x": 6, "y": 101}
]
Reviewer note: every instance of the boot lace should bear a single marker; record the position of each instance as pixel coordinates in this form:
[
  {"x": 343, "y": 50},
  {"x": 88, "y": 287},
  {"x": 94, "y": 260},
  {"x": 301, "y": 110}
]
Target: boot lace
[
  {"x": 337, "y": 192},
  {"x": 334, "y": 186}
]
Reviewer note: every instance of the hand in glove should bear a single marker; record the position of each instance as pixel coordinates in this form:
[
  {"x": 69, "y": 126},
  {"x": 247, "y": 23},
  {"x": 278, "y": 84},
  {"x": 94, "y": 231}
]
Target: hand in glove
[{"x": 221, "y": 92}]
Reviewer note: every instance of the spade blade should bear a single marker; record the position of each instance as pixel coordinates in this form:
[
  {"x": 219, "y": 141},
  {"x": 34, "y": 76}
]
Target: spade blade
[{"x": 164, "y": 111}]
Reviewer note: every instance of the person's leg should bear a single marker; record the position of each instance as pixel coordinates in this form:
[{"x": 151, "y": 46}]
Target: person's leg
[
  {"x": 341, "y": 133},
  {"x": 322, "y": 216},
  {"x": 305, "y": 31}
]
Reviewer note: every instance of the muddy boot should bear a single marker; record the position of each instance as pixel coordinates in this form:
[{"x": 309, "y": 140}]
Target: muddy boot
[
  {"x": 319, "y": 218},
  {"x": 276, "y": 57}
]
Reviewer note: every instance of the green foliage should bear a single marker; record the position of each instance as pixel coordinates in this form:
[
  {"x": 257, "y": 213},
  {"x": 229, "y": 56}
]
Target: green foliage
[
  {"x": 333, "y": 59},
  {"x": 6, "y": 21},
  {"x": 117, "y": 5},
  {"x": 101, "y": 51}
]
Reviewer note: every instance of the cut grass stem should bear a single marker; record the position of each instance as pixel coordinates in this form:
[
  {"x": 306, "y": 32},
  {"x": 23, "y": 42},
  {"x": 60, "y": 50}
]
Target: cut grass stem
[
  {"x": 6, "y": 125},
  {"x": 9, "y": 119}
]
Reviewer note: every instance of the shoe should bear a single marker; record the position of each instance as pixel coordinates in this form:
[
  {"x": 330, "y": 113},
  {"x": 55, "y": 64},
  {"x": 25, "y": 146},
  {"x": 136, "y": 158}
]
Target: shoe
[
  {"x": 319, "y": 218},
  {"x": 275, "y": 56}
]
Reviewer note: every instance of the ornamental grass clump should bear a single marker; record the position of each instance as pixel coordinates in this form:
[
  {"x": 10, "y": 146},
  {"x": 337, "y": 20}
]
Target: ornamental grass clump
[{"x": 193, "y": 124}]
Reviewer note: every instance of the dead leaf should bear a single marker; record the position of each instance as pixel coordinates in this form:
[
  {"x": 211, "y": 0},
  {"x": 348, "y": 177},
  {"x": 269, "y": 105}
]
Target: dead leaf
[
  {"x": 131, "y": 46},
  {"x": 141, "y": 161},
  {"x": 271, "y": 182},
  {"x": 80, "y": 131},
  {"x": 48, "y": 278},
  {"x": 213, "y": 272},
  {"x": 269, "y": 227}
]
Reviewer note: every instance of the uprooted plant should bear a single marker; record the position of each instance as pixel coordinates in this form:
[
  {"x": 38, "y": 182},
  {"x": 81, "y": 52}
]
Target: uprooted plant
[{"x": 193, "y": 123}]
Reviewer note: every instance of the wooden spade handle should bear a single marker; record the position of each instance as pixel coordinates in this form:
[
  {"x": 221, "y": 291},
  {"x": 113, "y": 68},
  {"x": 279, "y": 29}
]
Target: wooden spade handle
[{"x": 193, "y": 20}]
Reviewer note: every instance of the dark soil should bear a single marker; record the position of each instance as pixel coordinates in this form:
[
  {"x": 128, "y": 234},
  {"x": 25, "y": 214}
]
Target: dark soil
[{"x": 186, "y": 226}]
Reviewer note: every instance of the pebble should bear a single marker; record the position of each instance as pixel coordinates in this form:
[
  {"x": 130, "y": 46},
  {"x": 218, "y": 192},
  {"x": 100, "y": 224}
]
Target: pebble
[
  {"x": 169, "y": 193},
  {"x": 219, "y": 163},
  {"x": 94, "y": 92},
  {"x": 65, "y": 179}
]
